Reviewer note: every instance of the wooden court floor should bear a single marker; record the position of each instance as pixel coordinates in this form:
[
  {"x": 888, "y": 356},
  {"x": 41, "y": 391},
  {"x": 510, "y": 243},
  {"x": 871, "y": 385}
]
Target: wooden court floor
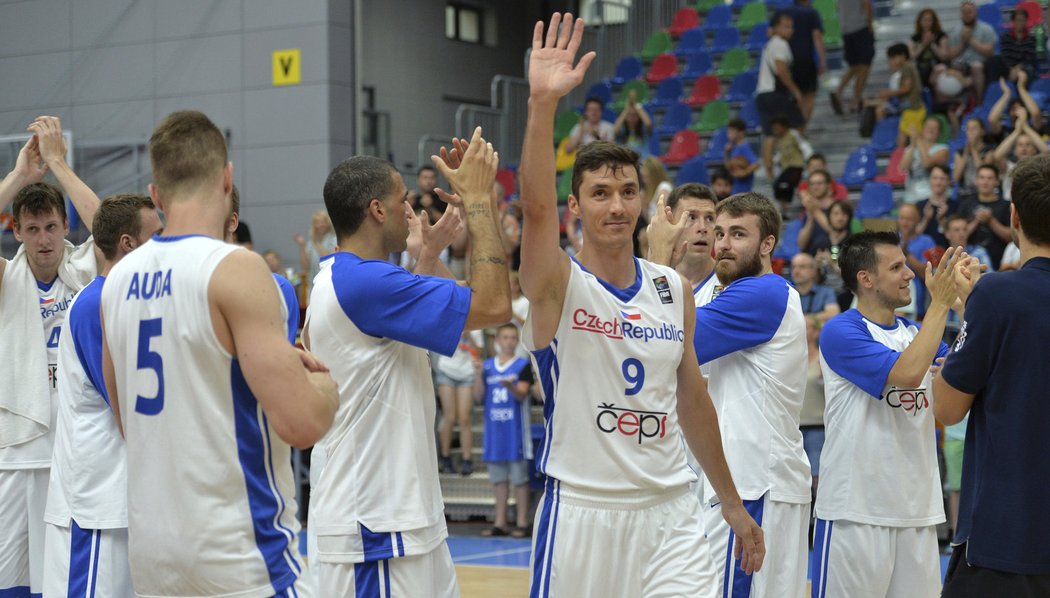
[{"x": 492, "y": 582}]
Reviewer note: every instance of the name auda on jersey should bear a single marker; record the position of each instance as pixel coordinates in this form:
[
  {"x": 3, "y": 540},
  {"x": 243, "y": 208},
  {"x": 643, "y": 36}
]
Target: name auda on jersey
[
  {"x": 150, "y": 285},
  {"x": 619, "y": 329}
]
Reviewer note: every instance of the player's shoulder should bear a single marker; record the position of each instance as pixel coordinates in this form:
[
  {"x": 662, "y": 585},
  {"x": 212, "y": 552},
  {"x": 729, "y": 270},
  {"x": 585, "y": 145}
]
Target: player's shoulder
[{"x": 848, "y": 322}]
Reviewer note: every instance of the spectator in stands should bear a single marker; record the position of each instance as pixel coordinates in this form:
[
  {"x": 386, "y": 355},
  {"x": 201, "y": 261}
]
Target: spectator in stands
[
  {"x": 988, "y": 214},
  {"x": 970, "y": 45},
  {"x": 591, "y": 128},
  {"x": 807, "y": 42},
  {"x": 816, "y": 205},
  {"x": 811, "y": 419},
  {"x": 740, "y": 159},
  {"x": 273, "y": 262},
  {"x": 903, "y": 96},
  {"x": 936, "y": 208},
  {"x": 454, "y": 377},
  {"x": 929, "y": 45},
  {"x": 1023, "y": 107},
  {"x": 921, "y": 153},
  {"x": 634, "y": 127},
  {"x": 322, "y": 242},
  {"x": 784, "y": 144},
  {"x": 977, "y": 151},
  {"x": 1017, "y": 47},
  {"x": 655, "y": 181},
  {"x": 815, "y": 162},
  {"x": 1023, "y": 142},
  {"x": 915, "y": 244},
  {"x": 817, "y": 299},
  {"x": 840, "y": 218},
  {"x": 776, "y": 92},
  {"x": 957, "y": 232},
  {"x": 858, "y": 40},
  {"x": 424, "y": 197},
  {"x": 722, "y": 183}
]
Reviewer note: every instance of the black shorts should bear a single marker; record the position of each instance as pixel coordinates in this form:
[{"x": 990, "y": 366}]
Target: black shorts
[
  {"x": 963, "y": 580},
  {"x": 804, "y": 74},
  {"x": 859, "y": 47},
  {"x": 772, "y": 103}
]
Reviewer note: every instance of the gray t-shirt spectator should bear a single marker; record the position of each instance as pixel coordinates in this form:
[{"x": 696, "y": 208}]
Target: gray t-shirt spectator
[
  {"x": 982, "y": 32},
  {"x": 851, "y": 16}
]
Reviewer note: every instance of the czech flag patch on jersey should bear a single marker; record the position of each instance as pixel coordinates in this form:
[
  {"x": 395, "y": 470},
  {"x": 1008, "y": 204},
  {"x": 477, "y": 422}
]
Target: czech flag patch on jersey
[{"x": 632, "y": 314}]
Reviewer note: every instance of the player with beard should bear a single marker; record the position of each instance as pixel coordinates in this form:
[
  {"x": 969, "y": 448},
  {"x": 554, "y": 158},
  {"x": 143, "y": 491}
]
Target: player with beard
[
  {"x": 753, "y": 336},
  {"x": 880, "y": 495}
]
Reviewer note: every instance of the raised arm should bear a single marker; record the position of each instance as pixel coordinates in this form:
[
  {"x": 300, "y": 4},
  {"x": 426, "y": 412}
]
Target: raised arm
[
  {"x": 995, "y": 115},
  {"x": 426, "y": 241},
  {"x": 1034, "y": 111},
  {"x": 29, "y": 168},
  {"x": 544, "y": 270},
  {"x": 295, "y": 390},
  {"x": 48, "y": 130}
]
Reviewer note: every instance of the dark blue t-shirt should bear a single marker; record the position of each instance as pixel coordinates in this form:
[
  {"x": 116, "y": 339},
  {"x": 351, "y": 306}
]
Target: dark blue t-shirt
[
  {"x": 1001, "y": 356},
  {"x": 805, "y": 20}
]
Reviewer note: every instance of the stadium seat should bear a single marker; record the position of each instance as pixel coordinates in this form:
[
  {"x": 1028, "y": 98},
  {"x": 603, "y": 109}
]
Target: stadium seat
[
  {"x": 752, "y": 14},
  {"x": 609, "y": 114},
  {"x": 697, "y": 65},
  {"x": 684, "y": 145},
  {"x": 658, "y": 43},
  {"x": 654, "y": 145},
  {"x": 725, "y": 39},
  {"x": 894, "y": 175},
  {"x": 684, "y": 20},
  {"x": 1034, "y": 10},
  {"x": 716, "y": 145},
  {"x": 993, "y": 92},
  {"x": 742, "y": 89},
  {"x": 641, "y": 94},
  {"x": 668, "y": 93},
  {"x": 675, "y": 119},
  {"x": 714, "y": 116},
  {"x": 833, "y": 32},
  {"x": 779, "y": 4},
  {"x": 718, "y": 17},
  {"x": 704, "y": 6},
  {"x": 734, "y": 62},
  {"x": 756, "y": 40},
  {"x": 876, "y": 201},
  {"x": 564, "y": 123},
  {"x": 693, "y": 170},
  {"x": 601, "y": 90},
  {"x": 788, "y": 246},
  {"x": 508, "y": 179},
  {"x": 1040, "y": 91},
  {"x": 860, "y": 167},
  {"x": 663, "y": 67},
  {"x": 946, "y": 128},
  {"x": 691, "y": 42},
  {"x": 989, "y": 13},
  {"x": 564, "y": 186},
  {"x": 827, "y": 9},
  {"x": 749, "y": 114},
  {"x": 630, "y": 68},
  {"x": 884, "y": 137},
  {"x": 705, "y": 89}
]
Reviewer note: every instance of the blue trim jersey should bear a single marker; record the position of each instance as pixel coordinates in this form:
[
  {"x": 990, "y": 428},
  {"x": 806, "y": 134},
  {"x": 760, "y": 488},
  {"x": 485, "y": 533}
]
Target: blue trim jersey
[
  {"x": 753, "y": 334},
  {"x": 88, "y": 473},
  {"x": 610, "y": 378},
  {"x": 291, "y": 303},
  {"x": 211, "y": 498},
  {"x": 372, "y": 323},
  {"x": 507, "y": 426},
  {"x": 1000, "y": 356},
  {"x": 879, "y": 462}
]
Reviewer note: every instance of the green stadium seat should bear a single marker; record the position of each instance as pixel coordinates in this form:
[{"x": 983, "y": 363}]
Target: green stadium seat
[
  {"x": 734, "y": 62},
  {"x": 658, "y": 43},
  {"x": 714, "y": 116}
]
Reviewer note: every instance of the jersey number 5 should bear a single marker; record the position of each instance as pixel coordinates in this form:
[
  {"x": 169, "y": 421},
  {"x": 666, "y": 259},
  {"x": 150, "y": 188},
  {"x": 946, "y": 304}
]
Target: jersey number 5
[{"x": 150, "y": 360}]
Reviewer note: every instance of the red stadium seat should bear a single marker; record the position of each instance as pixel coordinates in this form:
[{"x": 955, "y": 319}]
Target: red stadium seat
[
  {"x": 684, "y": 20},
  {"x": 705, "y": 89},
  {"x": 684, "y": 145},
  {"x": 894, "y": 175},
  {"x": 664, "y": 66}
]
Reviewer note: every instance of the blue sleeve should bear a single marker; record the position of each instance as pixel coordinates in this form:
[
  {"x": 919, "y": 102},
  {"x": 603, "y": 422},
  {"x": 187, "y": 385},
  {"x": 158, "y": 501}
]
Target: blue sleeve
[
  {"x": 292, "y": 303},
  {"x": 744, "y": 315},
  {"x": 744, "y": 149},
  {"x": 849, "y": 350},
  {"x": 85, "y": 329},
  {"x": 975, "y": 351},
  {"x": 387, "y": 301}
]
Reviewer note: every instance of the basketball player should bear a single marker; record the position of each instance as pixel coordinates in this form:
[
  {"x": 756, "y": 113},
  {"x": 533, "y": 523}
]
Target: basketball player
[
  {"x": 377, "y": 509},
  {"x": 612, "y": 337},
  {"x": 86, "y": 540},
  {"x": 753, "y": 335},
  {"x": 36, "y": 287},
  {"x": 208, "y": 391},
  {"x": 880, "y": 493}
]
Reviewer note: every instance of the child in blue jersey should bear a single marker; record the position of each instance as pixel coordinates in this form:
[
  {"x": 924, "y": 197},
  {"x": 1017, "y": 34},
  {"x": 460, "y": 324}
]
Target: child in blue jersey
[{"x": 505, "y": 381}]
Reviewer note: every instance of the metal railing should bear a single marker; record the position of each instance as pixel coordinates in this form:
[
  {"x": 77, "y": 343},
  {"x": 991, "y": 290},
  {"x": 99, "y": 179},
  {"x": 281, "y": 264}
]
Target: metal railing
[{"x": 377, "y": 138}]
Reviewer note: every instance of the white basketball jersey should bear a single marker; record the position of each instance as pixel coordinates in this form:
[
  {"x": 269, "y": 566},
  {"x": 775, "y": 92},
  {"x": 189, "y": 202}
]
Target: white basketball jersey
[
  {"x": 702, "y": 295},
  {"x": 211, "y": 508},
  {"x": 879, "y": 462},
  {"x": 88, "y": 472},
  {"x": 610, "y": 381}
]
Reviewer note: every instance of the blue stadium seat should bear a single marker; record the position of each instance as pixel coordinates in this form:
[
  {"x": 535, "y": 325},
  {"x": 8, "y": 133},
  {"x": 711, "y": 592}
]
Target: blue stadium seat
[
  {"x": 788, "y": 246},
  {"x": 630, "y": 68},
  {"x": 654, "y": 146},
  {"x": 749, "y": 114},
  {"x": 742, "y": 88},
  {"x": 601, "y": 90},
  {"x": 860, "y": 167},
  {"x": 884, "y": 137},
  {"x": 1040, "y": 90},
  {"x": 725, "y": 39},
  {"x": 993, "y": 92},
  {"x": 990, "y": 13},
  {"x": 668, "y": 92},
  {"x": 698, "y": 64},
  {"x": 756, "y": 40},
  {"x": 876, "y": 201},
  {"x": 693, "y": 170},
  {"x": 780, "y": 4},
  {"x": 716, "y": 146},
  {"x": 676, "y": 118},
  {"x": 610, "y": 114},
  {"x": 718, "y": 17},
  {"x": 692, "y": 41}
]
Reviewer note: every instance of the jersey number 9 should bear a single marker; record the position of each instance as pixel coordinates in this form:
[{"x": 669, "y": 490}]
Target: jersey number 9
[{"x": 634, "y": 374}]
